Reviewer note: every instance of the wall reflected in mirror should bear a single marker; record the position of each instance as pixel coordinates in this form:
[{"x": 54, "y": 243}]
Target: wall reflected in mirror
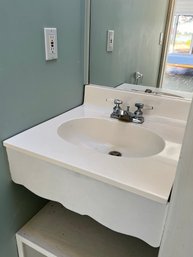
[{"x": 138, "y": 28}]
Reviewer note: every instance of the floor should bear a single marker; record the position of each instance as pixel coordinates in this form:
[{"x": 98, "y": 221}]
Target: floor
[
  {"x": 58, "y": 231},
  {"x": 180, "y": 79}
]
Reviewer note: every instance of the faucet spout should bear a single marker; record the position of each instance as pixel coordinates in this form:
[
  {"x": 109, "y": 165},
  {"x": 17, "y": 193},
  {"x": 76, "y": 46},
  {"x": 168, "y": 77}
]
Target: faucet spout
[
  {"x": 126, "y": 115},
  {"x": 138, "y": 77}
]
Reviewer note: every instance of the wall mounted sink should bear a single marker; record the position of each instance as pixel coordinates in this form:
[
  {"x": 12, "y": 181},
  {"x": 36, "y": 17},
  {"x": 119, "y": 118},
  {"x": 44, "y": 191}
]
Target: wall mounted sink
[
  {"x": 66, "y": 160},
  {"x": 112, "y": 137}
]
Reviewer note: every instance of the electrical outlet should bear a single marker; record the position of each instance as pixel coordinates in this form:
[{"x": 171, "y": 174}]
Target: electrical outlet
[{"x": 51, "y": 49}]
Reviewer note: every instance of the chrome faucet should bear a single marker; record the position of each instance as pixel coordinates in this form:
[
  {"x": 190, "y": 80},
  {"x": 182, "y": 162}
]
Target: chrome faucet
[
  {"x": 126, "y": 115},
  {"x": 138, "y": 77},
  {"x": 117, "y": 110}
]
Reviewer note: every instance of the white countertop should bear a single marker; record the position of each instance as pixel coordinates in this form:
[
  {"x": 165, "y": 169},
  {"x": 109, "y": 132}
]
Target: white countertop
[
  {"x": 130, "y": 87},
  {"x": 151, "y": 177}
]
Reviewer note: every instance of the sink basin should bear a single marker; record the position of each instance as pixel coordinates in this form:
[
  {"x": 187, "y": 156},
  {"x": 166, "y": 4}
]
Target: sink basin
[
  {"x": 66, "y": 159},
  {"x": 111, "y": 137}
]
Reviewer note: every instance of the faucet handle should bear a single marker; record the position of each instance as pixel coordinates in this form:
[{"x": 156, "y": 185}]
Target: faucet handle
[
  {"x": 118, "y": 101},
  {"x": 148, "y": 107},
  {"x": 117, "y": 110},
  {"x": 139, "y": 106}
]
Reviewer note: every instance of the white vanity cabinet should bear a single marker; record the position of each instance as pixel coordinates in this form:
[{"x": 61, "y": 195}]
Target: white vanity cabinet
[
  {"x": 58, "y": 232},
  {"x": 67, "y": 159}
]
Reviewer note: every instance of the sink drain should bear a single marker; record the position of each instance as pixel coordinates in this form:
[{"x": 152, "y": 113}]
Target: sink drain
[{"x": 115, "y": 153}]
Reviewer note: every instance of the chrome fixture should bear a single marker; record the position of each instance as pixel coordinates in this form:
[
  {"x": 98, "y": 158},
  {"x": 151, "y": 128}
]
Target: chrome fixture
[
  {"x": 126, "y": 115},
  {"x": 158, "y": 93},
  {"x": 138, "y": 77},
  {"x": 117, "y": 110}
]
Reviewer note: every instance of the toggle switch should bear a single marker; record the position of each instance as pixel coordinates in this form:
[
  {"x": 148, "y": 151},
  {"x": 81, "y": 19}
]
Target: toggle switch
[{"x": 110, "y": 40}]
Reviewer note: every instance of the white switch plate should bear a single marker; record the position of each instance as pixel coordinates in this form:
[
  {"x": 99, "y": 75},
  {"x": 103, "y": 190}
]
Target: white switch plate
[
  {"x": 51, "y": 48},
  {"x": 161, "y": 38},
  {"x": 110, "y": 40}
]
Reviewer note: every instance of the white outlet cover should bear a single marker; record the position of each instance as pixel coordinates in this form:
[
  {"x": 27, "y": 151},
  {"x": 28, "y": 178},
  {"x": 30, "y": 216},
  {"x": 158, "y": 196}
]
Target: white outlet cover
[{"x": 51, "y": 48}]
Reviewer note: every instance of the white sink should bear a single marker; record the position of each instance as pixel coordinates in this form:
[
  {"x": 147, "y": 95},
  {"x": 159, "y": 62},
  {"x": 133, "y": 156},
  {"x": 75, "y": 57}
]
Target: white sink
[
  {"x": 66, "y": 160},
  {"x": 111, "y": 137}
]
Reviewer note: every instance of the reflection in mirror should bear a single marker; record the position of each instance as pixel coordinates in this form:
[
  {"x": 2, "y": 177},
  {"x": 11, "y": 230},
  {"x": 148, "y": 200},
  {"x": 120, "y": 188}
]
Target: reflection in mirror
[
  {"x": 138, "y": 27},
  {"x": 127, "y": 42},
  {"x": 179, "y": 66}
]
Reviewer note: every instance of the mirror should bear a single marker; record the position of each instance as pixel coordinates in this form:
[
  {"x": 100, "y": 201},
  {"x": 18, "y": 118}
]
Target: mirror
[{"x": 138, "y": 27}]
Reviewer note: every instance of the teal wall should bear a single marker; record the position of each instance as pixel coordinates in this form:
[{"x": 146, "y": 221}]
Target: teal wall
[
  {"x": 137, "y": 25},
  {"x": 32, "y": 90}
]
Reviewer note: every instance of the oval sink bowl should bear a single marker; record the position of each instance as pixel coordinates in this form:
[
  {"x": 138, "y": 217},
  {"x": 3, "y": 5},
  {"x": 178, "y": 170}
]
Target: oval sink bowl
[{"x": 111, "y": 137}]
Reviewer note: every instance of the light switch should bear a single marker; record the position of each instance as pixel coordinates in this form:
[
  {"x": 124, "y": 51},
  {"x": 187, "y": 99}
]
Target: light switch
[
  {"x": 110, "y": 40},
  {"x": 51, "y": 48},
  {"x": 161, "y": 38}
]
